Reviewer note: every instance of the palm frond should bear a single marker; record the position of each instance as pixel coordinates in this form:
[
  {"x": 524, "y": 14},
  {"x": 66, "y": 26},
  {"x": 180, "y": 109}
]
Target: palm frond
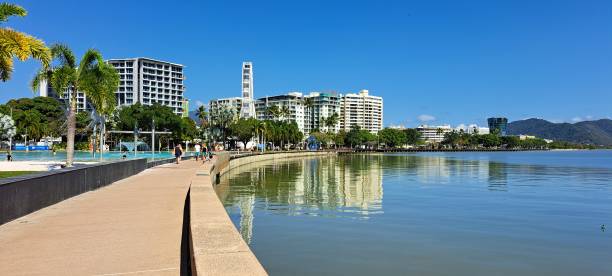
[
  {"x": 6, "y": 68},
  {"x": 8, "y": 9},
  {"x": 64, "y": 55},
  {"x": 22, "y": 46},
  {"x": 42, "y": 75}
]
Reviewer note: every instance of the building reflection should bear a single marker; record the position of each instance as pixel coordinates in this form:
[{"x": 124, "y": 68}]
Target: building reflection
[
  {"x": 332, "y": 186},
  {"x": 352, "y": 186}
]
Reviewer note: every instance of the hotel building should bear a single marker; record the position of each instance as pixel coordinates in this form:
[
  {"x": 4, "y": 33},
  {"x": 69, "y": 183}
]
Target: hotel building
[
  {"x": 217, "y": 105},
  {"x": 321, "y": 106},
  {"x": 141, "y": 80},
  {"x": 433, "y": 133},
  {"x": 292, "y": 101},
  {"x": 361, "y": 110},
  {"x": 148, "y": 81}
]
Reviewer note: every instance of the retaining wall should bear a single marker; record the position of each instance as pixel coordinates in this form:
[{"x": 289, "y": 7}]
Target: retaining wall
[
  {"x": 22, "y": 195},
  {"x": 216, "y": 247}
]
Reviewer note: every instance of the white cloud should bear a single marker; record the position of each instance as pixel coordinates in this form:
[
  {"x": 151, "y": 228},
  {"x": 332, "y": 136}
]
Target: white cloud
[
  {"x": 577, "y": 119},
  {"x": 199, "y": 103},
  {"x": 426, "y": 118}
]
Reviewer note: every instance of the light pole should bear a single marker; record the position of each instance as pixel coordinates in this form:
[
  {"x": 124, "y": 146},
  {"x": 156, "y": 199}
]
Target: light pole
[
  {"x": 10, "y": 136},
  {"x": 153, "y": 137}
]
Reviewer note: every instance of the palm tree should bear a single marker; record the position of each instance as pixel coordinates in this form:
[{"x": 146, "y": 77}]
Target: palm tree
[
  {"x": 100, "y": 85},
  {"x": 92, "y": 76},
  {"x": 285, "y": 112},
  {"x": 260, "y": 131},
  {"x": 202, "y": 116},
  {"x": 308, "y": 104},
  {"x": 17, "y": 44},
  {"x": 29, "y": 123},
  {"x": 331, "y": 121},
  {"x": 273, "y": 111}
]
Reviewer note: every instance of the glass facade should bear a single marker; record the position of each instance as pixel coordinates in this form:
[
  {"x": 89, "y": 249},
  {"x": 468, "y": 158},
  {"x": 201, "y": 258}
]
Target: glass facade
[{"x": 500, "y": 124}]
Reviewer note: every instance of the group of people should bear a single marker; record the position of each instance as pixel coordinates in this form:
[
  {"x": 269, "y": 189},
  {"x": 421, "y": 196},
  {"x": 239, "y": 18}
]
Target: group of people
[{"x": 201, "y": 152}]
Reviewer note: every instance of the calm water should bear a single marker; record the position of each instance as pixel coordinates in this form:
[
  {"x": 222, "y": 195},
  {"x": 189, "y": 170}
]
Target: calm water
[{"x": 520, "y": 213}]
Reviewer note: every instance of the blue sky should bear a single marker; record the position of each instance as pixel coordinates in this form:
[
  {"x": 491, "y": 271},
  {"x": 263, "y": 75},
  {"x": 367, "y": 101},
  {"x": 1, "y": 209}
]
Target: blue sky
[{"x": 446, "y": 61}]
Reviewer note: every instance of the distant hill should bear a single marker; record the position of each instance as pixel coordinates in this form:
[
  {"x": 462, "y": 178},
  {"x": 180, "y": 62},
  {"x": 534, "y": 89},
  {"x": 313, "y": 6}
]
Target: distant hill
[{"x": 597, "y": 132}]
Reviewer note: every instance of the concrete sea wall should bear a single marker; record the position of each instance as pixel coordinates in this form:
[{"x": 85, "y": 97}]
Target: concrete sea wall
[{"x": 216, "y": 247}]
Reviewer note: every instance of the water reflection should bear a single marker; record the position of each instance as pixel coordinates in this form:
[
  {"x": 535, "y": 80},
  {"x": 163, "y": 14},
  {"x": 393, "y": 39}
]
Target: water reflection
[
  {"x": 443, "y": 214},
  {"x": 352, "y": 186}
]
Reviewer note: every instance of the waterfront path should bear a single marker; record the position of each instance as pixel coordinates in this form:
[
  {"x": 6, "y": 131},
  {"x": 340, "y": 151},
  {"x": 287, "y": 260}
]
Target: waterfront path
[{"x": 132, "y": 227}]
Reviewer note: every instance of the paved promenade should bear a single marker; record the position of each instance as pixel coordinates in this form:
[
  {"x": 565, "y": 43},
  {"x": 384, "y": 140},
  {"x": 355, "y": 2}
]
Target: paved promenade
[{"x": 132, "y": 227}]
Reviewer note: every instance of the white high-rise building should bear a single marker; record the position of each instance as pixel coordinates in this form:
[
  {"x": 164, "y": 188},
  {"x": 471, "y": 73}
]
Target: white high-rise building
[
  {"x": 141, "y": 80},
  {"x": 248, "y": 103},
  {"x": 216, "y": 105},
  {"x": 150, "y": 81},
  {"x": 319, "y": 107},
  {"x": 361, "y": 110},
  {"x": 433, "y": 133},
  {"x": 45, "y": 90},
  {"x": 291, "y": 102}
]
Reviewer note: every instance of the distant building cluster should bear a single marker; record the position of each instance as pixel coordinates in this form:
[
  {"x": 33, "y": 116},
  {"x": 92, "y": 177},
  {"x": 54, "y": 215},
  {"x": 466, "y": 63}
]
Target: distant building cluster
[
  {"x": 311, "y": 112},
  {"x": 142, "y": 80}
]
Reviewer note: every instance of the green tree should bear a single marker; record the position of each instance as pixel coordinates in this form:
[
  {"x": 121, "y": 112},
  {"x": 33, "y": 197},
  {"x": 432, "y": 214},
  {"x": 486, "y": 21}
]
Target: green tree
[
  {"x": 243, "y": 129},
  {"x": 28, "y": 124},
  {"x": 89, "y": 77},
  {"x": 413, "y": 137},
  {"x": 392, "y": 137},
  {"x": 489, "y": 140},
  {"x": 452, "y": 138},
  {"x": 331, "y": 121},
  {"x": 202, "y": 116},
  {"x": 14, "y": 44},
  {"x": 323, "y": 138},
  {"x": 340, "y": 138}
]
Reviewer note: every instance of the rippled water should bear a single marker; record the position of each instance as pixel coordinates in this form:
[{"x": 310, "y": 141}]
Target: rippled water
[{"x": 518, "y": 213}]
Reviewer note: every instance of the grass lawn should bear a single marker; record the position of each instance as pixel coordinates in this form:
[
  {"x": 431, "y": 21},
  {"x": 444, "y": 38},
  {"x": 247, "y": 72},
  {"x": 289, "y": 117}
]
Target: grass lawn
[{"x": 14, "y": 173}]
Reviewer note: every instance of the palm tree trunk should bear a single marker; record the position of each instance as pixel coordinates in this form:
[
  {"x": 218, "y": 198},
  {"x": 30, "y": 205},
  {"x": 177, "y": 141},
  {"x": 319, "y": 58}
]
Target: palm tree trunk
[{"x": 70, "y": 133}]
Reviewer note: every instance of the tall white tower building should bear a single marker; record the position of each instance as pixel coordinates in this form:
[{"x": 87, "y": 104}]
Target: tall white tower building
[{"x": 248, "y": 104}]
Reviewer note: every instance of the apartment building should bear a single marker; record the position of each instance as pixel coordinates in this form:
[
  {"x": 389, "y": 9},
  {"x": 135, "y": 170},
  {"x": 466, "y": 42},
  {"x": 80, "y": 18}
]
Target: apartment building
[
  {"x": 433, "y": 134},
  {"x": 293, "y": 102},
  {"x": 318, "y": 108},
  {"x": 150, "y": 81},
  {"x": 361, "y": 110},
  {"x": 45, "y": 90},
  {"x": 215, "y": 106}
]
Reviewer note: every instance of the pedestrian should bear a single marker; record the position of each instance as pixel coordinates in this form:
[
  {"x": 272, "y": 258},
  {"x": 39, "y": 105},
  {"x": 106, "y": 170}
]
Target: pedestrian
[
  {"x": 197, "y": 151},
  {"x": 178, "y": 152},
  {"x": 205, "y": 153},
  {"x": 9, "y": 156}
]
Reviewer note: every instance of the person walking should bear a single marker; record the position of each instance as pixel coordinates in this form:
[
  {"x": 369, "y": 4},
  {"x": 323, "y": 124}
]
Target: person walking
[
  {"x": 197, "y": 148},
  {"x": 204, "y": 153},
  {"x": 178, "y": 152}
]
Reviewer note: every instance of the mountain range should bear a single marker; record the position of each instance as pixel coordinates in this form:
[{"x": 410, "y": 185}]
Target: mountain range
[{"x": 597, "y": 132}]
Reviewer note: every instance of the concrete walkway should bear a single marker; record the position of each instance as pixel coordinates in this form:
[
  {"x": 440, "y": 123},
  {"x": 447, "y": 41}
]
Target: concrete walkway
[{"x": 132, "y": 227}]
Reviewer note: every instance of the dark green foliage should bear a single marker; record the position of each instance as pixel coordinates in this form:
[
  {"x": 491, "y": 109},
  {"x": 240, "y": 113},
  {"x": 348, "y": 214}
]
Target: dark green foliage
[
  {"x": 44, "y": 114},
  {"x": 392, "y": 137},
  {"x": 243, "y": 129},
  {"x": 283, "y": 132},
  {"x": 413, "y": 137},
  {"x": 360, "y": 137}
]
